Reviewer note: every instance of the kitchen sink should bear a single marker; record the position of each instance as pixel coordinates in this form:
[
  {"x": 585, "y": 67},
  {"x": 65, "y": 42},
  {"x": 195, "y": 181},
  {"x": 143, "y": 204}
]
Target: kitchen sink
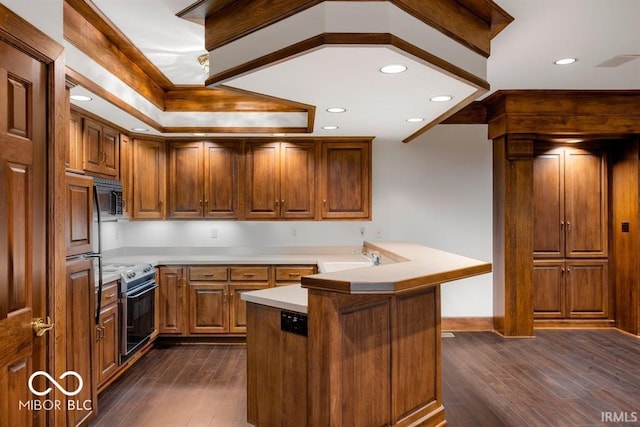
[{"x": 331, "y": 266}]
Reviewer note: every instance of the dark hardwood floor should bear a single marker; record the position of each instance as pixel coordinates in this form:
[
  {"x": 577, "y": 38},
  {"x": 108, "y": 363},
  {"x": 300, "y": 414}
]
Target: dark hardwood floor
[{"x": 560, "y": 378}]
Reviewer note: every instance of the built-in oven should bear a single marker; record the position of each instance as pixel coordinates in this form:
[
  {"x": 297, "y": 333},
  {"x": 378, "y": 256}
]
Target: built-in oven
[{"x": 137, "y": 308}]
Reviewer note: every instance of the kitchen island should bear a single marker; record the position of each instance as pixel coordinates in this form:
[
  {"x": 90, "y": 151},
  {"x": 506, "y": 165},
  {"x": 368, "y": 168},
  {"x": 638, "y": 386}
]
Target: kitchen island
[{"x": 363, "y": 350}]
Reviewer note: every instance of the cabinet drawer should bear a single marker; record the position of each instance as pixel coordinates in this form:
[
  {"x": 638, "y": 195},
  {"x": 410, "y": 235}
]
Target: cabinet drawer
[
  {"x": 291, "y": 274},
  {"x": 109, "y": 294},
  {"x": 250, "y": 273},
  {"x": 208, "y": 273}
]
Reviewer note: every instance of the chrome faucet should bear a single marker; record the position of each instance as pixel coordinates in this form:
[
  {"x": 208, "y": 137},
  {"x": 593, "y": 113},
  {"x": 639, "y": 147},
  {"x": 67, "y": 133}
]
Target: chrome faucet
[{"x": 375, "y": 258}]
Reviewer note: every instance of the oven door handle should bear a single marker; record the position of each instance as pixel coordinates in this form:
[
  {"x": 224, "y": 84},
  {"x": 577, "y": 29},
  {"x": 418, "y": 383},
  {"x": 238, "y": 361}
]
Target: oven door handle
[{"x": 142, "y": 292}]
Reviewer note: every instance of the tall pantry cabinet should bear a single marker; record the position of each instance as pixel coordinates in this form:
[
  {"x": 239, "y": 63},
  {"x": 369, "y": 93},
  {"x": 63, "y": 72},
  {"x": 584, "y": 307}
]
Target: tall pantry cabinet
[{"x": 570, "y": 233}]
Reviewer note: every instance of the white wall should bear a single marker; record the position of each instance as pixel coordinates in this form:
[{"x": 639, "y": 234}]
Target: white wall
[
  {"x": 436, "y": 191},
  {"x": 46, "y": 15}
]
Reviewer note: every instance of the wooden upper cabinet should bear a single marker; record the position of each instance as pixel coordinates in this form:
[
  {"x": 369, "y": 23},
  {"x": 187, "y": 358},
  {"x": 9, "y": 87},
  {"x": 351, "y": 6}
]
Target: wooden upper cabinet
[
  {"x": 73, "y": 154},
  {"x": 280, "y": 180},
  {"x": 570, "y": 203},
  {"x": 345, "y": 185},
  {"x": 101, "y": 154},
  {"x": 78, "y": 213},
  {"x": 148, "y": 179},
  {"x": 203, "y": 180}
]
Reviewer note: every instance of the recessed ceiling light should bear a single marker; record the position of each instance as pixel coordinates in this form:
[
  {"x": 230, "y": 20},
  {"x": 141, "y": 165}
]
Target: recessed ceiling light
[
  {"x": 81, "y": 98},
  {"x": 199, "y": 134},
  {"x": 393, "y": 69},
  {"x": 279, "y": 134},
  {"x": 441, "y": 98},
  {"x": 329, "y": 127},
  {"x": 336, "y": 110},
  {"x": 565, "y": 61},
  {"x": 415, "y": 120},
  {"x": 140, "y": 129}
]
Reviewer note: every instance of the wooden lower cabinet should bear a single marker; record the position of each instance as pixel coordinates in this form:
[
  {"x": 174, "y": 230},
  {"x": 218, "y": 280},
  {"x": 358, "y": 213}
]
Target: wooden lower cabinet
[
  {"x": 207, "y": 313},
  {"x": 291, "y": 274},
  {"x": 107, "y": 347},
  {"x": 570, "y": 289},
  {"x": 171, "y": 300}
]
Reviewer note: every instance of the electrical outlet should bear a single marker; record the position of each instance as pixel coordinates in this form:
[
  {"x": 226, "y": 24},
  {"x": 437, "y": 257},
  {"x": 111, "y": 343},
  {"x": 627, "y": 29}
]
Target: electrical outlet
[
  {"x": 214, "y": 233},
  {"x": 378, "y": 234},
  {"x": 362, "y": 231}
]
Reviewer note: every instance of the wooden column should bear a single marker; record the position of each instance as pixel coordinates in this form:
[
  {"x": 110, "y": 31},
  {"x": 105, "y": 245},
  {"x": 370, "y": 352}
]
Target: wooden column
[{"x": 512, "y": 235}]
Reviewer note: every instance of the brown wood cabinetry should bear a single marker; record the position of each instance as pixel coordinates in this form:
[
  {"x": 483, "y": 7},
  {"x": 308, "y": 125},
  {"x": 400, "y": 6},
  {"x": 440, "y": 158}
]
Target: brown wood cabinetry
[
  {"x": 290, "y": 274},
  {"x": 570, "y": 289},
  {"x": 203, "y": 180},
  {"x": 101, "y": 153},
  {"x": 148, "y": 179},
  {"x": 171, "y": 300},
  {"x": 345, "y": 183},
  {"x": 74, "y": 151},
  {"x": 215, "y": 305},
  {"x": 570, "y": 203},
  {"x": 80, "y": 335},
  {"x": 107, "y": 345},
  {"x": 280, "y": 180},
  {"x": 79, "y": 213},
  {"x": 570, "y": 233}
]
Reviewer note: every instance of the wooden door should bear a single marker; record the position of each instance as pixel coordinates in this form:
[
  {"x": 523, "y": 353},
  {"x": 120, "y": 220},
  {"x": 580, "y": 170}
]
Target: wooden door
[
  {"x": 23, "y": 257},
  {"x": 107, "y": 348},
  {"x": 297, "y": 178},
  {"x": 207, "y": 308},
  {"x": 548, "y": 289},
  {"x": 171, "y": 300},
  {"x": 586, "y": 203},
  {"x": 80, "y": 334},
  {"x": 345, "y": 184},
  {"x": 587, "y": 289},
  {"x": 262, "y": 195},
  {"x": 548, "y": 204},
  {"x": 110, "y": 151},
  {"x": 185, "y": 180},
  {"x": 92, "y": 146},
  {"x": 78, "y": 213},
  {"x": 148, "y": 179},
  {"x": 221, "y": 180}
]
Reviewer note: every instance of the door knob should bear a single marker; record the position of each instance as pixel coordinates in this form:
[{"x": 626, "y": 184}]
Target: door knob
[{"x": 40, "y": 326}]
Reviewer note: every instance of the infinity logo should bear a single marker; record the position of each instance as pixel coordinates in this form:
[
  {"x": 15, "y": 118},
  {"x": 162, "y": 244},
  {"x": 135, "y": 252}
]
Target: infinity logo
[{"x": 55, "y": 383}]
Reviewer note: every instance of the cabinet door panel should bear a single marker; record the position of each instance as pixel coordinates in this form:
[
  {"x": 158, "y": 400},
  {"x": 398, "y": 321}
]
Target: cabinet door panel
[
  {"x": 345, "y": 186},
  {"x": 587, "y": 290},
  {"x": 262, "y": 181},
  {"x": 548, "y": 289},
  {"x": 221, "y": 180},
  {"x": 171, "y": 300},
  {"x": 148, "y": 179},
  {"x": 108, "y": 352},
  {"x": 548, "y": 204},
  {"x": 74, "y": 145},
  {"x": 185, "y": 180},
  {"x": 92, "y": 141},
  {"x": 586, "y": 203},
  {"x": 238, "y": 307},
  {"x": 207, "y": 311},
  {"x": 79, "y": 213},
  {"x": 111, "y": 152},
  {"x": 297, "y": 197}
]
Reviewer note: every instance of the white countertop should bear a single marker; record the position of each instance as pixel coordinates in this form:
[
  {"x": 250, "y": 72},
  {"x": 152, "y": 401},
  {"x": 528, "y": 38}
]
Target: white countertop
[{"x": 291, "y": 298}]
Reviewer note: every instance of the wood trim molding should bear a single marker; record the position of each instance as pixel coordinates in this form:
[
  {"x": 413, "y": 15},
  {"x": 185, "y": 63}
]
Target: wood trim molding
[
  {"x": 467, "y": 324},
  {"x": 473, "y": 23},
  {"x": 563, "y": 112},
  {"x": 572, "y": 324},
  {"x": 21, "y": 34},
  {"x": 473, "y": 114}
]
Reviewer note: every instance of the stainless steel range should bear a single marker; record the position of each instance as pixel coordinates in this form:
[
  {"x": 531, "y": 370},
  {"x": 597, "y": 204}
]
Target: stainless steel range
[{"x": 137, "y": 308}]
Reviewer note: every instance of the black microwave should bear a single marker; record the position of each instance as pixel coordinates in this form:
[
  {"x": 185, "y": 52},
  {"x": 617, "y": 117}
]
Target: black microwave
[{"x": 108, "y": 195}]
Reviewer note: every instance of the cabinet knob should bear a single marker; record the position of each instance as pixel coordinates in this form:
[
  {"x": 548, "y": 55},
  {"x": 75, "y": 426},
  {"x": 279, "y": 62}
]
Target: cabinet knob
[
  {"x": 568, "y": 226},
  {"x": 277, "y": 202}
]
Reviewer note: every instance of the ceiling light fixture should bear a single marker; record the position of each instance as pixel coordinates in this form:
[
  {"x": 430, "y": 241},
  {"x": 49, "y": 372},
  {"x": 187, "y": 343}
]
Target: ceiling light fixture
[
  {"x": 329, "y": 127},
  {"x": 204, "y": 62},
  {"x": 393, "y": 69},
  {"x": 81, "y": 98},
  {"x": 565, "y": 61},
  {"x": 336, "y": 110},
  {"x": 279, "y": 134},
  {"x": 441, "y": 98},
  {"x": 415, "y": 120},
  {"x": 140, "y": 129},
  {"x": 199, "y": 134}
]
